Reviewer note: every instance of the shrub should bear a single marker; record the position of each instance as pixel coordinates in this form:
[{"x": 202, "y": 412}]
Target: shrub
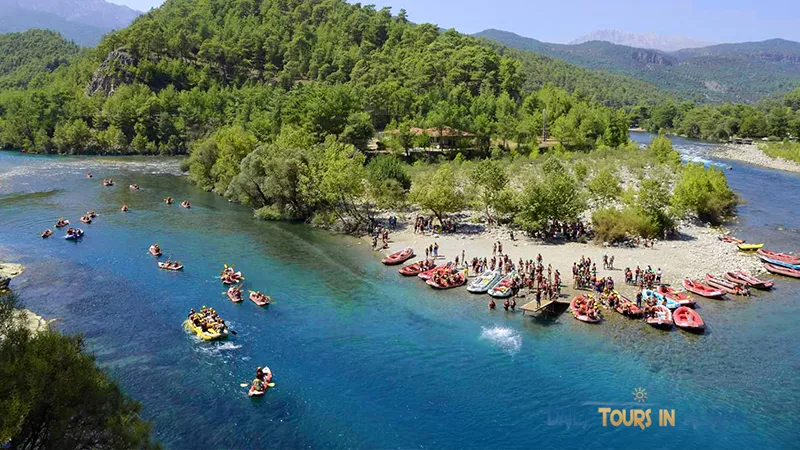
[
  {"x": 271, "y": 212},
  {"x": 605, "y": 186},
  {"x": 704, "y": 192},
  {"x": 613, "y": 225}
]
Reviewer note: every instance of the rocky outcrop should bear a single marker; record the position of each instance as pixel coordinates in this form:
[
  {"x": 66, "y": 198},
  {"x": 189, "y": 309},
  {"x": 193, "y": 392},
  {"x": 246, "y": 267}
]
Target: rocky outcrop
[
  {"x": 652, "y": 57},
  {"x": 115, "y": 70},
  {"x": 7, "y": 272}
]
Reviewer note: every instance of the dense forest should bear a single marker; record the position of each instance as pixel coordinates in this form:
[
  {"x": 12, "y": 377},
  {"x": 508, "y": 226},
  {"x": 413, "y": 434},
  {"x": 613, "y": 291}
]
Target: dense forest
[
  {"x": 26, "y": 59},
  {"x": 775, "y": 117},
  {"x": 182, "y": 72}
]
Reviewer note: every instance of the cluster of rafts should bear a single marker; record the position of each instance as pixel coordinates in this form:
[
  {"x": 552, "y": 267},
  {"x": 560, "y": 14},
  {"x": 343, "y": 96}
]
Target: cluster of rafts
[{"x": 448, "y": 276}]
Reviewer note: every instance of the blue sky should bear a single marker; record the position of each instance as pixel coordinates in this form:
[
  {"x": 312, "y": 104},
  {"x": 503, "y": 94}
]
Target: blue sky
[{"x": 563, "y": 20}]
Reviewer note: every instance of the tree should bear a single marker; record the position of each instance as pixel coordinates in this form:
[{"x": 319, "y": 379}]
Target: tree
[
  {"x": 507, "y": 121},
  {"x": 491, "y": 180},
  {"x": 233, "y": 144},
  {"x": 53, "y": 395},
  {"x": 554, "y": 197},
  {"x": 388, "y": 180},
  {"x": 440, "y": 194},
  {"x": 661, "y": 148},
  {"x": 605, "y": 186},
  {"x": 704, "y": 192},
  {"x": 652, "y": 199}
]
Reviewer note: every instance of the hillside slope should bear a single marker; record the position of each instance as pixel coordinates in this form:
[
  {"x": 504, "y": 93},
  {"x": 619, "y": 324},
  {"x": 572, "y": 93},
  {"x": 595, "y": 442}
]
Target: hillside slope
[
  {"x": 25, "y": 56},
  {"x": 744, "y": 72}
]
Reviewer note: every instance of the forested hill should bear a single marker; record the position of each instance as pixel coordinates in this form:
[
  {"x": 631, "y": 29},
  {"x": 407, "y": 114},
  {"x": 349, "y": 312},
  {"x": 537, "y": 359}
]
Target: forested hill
[
  {"x": 743, "y": 72},
  {"x": 24, "y": 57},
  {"x": 183, "y": 71}
]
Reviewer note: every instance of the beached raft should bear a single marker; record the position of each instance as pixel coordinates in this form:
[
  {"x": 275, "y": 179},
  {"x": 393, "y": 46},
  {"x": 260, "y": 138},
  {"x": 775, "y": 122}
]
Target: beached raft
[
  {"x": 662, "y": 318},
  {"x": 782, "y": 270},
  {"x": 573, "y": 307},
  {"x": 485, "y": 281},
  {"x": 702, "y": 290},
  {"x": 399, "y": 257},
  {"x": 688, "y": 319}
]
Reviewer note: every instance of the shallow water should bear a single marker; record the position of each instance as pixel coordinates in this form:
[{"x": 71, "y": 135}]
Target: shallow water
[{"x": 364, "y": 358}]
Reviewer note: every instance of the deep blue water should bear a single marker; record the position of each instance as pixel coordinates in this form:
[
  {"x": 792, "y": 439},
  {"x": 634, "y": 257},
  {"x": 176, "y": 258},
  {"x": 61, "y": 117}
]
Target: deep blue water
[{"x": 365, "y": 359}]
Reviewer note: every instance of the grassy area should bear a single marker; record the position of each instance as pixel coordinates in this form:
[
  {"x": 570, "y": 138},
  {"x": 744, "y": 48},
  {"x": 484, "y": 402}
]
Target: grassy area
[{"x": 785, "y": 150}]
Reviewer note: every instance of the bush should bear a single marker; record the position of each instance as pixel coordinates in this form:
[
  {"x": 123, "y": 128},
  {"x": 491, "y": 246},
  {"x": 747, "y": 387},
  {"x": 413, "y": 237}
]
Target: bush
[
  {"x": 605, "y": 186},
  {"x": 704, "y": 191},
  {"x": 271, "y": 212},
  {"x": 612, "y": 225}
]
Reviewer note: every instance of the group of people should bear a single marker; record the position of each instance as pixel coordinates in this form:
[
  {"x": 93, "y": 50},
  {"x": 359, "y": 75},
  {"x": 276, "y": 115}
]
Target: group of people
[
  {"x": 508, "y": 305},
  {"x": 608, "y": 262},
  {"x": 448, "y": 277},
  {"x": 424, "y": 225},
  {"x": 229, "y": 276},
  {"x": 170, "y": 264},
  {"x": 207, "y": 320},
  {"x": 643, "y": 278},
  {"x": 382, "y": 233},
  {"x": 584, "y": 273},
  {"x": 567, "y": 231},
  {"x": 588, "y": 307},
  {"x": 108, "y": 182}
]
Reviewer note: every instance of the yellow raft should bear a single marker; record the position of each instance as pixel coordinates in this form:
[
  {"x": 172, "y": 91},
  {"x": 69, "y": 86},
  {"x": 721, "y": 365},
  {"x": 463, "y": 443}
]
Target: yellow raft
[
  {"x": 750, "y": 247},
  {"x": 205, "y": 335}
]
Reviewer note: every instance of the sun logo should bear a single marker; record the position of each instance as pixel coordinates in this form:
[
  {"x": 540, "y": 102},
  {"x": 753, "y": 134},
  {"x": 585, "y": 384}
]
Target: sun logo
[{"x": 640, "y": 395}]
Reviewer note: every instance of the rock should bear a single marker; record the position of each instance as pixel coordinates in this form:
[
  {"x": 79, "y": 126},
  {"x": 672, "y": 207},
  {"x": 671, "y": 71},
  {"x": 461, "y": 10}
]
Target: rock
[
  {"x": 4, "y": 280},
  {"x": 112, "y": 72}
]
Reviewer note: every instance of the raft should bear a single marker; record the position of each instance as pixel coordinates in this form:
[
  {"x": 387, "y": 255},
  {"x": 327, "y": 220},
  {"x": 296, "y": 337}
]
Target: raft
[
  {"x": 254, "y": 297},
  {"x": 671, "y": 303},
  {"x": 485, "y": 281},
  {"x": 688, "y": 319},
  {"x": 681, "y": 297},
  {"x": 749, "y": 247},
  {"x": 411, "y": 269},
  {"x": 399, "y": 257},
  {"x": 702, "y": 289},
  {"x": 781, "y": 270},
  {"x": 503, "y": 288},
  {"x": 575, "y": 312},
  {"x": 748, "y": 280},
  {"x": 163, "y": 265},
  {"x": 662, "y": 319},
  {"x": 205, "y": 335},
  {"x": 777, "y": 256},
  {"x": 460, "y": 280}
]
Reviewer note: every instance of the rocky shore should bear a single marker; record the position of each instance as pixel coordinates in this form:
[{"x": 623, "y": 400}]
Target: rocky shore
[
  {"x": 32, "y": 321},
  {"x": 754, "y": 155}
]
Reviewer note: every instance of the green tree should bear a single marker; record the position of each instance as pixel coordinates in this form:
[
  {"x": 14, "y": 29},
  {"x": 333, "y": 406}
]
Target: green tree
[
  {"x": 491, "y": 181},
  {"x": 605, "y": 186},
  {"x": 441, "y": 194},
  {"x": 554, "y": 197},
  {"x": 704, "y": 192},
  {"x": 661, "y": 148},
  {"x": 53, "y": 395}
]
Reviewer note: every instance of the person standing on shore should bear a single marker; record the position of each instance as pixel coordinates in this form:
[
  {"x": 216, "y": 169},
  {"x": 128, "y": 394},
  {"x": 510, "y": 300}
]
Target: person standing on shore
[
  {"x": 499, "y": 247},
  {"x": 494, "y": 249},
  {"x": 611, "y": 262}
]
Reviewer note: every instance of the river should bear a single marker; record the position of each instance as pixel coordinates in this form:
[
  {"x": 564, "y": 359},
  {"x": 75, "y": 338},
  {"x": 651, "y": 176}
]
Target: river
[{"x": 363, "y": 358}]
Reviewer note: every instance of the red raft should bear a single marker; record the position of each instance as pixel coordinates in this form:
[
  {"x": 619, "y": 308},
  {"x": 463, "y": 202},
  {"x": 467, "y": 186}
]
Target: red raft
[
  {"x": 701, "y": 289},
  {"x": 428, "y": 274},
  {"x": 747, "y": 280},
  {"x": 662, "y": 318},
  {"x": 399, "y": 257},
  {"x": 727, "y": 286},
  {"x": 457, "y": 280},
  {"x": 680, "y": 297},
  {"x": 577, "y": 314},
  {"x": 780, "y": 270},
  {"x": 414, "y": 269},
  {"x": 688, "y": 319},
  {"x": 782, "y": 257},
  {"x": 627, "y": 308}
]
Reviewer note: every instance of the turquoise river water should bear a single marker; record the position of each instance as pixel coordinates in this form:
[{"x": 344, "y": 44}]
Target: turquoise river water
[{"x": 366, "y": 359}]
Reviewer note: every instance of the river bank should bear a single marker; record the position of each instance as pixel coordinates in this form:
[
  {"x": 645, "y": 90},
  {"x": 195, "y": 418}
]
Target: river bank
[
  {"x": 751, "y": 153},
  {"x": 697, "y": 252},
  {"x": 29, "y": 319}
]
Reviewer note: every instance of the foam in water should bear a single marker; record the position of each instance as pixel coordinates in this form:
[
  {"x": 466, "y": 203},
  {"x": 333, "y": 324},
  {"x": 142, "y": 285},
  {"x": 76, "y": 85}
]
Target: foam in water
[{"x": 507, "y": 339}]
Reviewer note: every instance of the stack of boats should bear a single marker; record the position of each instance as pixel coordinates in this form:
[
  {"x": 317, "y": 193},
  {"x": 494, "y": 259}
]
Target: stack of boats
[{"x": 780, "y": 263}]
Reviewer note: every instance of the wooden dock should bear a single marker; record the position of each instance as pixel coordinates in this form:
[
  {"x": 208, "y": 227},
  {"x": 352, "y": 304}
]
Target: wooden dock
[{"x": 548, "y": 306}]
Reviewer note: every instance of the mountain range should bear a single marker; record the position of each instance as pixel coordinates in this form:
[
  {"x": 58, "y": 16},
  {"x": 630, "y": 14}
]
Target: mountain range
[
  {"x": 82, "y": 21},
  {"x": 642, "y": 40},
  {"x": 743, "y": 72}
]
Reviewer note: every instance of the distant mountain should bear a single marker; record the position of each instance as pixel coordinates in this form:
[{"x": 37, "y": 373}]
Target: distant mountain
[
  {"x": 82, "y": 21},
  {"x": 743, "y": 72},
  {"x": 642, "y": 40}
]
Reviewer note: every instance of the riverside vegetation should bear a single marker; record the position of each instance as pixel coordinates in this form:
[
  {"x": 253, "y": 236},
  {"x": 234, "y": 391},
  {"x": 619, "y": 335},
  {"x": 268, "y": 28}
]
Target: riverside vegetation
[{"x": 53, "y": 395}]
